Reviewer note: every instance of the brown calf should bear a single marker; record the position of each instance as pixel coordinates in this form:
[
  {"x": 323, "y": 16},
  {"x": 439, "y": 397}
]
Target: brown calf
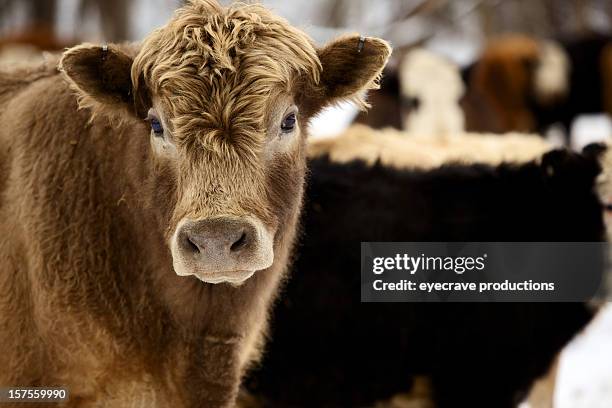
[{"x": 140, "y": 257}]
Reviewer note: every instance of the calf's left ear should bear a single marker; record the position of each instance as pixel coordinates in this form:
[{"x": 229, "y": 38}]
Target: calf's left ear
[
  {"x": 101, "y": 75},
  {"x": 351, "y": 65}
]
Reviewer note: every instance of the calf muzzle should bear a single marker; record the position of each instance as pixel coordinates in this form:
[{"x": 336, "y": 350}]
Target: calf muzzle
[{"x": 222, "y": 249}]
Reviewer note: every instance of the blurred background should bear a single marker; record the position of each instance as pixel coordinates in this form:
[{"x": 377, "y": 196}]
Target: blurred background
[
  {"x": 457, "y": 30},
  {"x": 463, "y": 33}
]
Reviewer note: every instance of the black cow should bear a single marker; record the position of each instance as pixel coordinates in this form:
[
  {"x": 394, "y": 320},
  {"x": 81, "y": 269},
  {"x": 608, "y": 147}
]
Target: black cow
[{"x": 329, "y": 350}]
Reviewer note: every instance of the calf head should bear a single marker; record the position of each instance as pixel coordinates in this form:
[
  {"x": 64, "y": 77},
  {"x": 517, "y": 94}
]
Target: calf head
[{"x": 227, "y": 94}]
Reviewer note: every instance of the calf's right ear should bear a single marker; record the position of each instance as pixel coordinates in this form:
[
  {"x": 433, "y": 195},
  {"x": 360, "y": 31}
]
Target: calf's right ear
[{"x": 102, "y": 77}]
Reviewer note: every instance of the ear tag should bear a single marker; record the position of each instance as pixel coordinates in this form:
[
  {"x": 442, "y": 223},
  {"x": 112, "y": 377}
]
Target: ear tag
[
  {"x": 361, "y": 44},
  {"x": 104, "y": 51}
]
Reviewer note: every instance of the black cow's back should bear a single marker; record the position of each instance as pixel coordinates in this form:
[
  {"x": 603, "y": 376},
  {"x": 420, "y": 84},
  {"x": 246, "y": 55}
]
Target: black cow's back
[{"x": 328, "y": 349}]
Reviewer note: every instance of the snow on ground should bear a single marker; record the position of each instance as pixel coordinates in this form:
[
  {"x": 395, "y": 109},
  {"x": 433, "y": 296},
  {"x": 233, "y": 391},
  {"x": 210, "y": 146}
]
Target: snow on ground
[
  {"x": 590, "y": 129},
  {"x": 585, "y": 370}
]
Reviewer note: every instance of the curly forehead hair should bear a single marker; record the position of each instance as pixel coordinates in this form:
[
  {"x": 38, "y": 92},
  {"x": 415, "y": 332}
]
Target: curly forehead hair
[{"x": 214, "y": 67}]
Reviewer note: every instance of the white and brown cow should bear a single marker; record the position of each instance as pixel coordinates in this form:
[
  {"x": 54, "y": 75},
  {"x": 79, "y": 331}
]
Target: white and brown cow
[{"x": 143, "y": 236}]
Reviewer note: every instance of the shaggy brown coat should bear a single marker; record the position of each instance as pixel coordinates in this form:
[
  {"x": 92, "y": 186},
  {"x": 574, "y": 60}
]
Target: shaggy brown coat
[{"x": 89, "y": 299}]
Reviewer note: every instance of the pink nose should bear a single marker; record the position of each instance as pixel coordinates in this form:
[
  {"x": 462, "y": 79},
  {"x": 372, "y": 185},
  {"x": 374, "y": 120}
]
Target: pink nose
[{"x": 221, "y": 243}]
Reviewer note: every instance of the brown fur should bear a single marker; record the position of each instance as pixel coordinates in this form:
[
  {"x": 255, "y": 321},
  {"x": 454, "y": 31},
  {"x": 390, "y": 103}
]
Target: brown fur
[
  {"x": 41, "y": 37},
  {"x": 542, "y": 393},
  {"x": 502, "y": 80},
  {"x": 88, "y": 296},
  {"x": 420, "y": 396},
  {"x": 28, "y": 46}
]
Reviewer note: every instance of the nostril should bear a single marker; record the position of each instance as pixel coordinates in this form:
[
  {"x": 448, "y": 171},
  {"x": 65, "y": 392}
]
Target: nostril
[
  {"x": 240, "y": 243},
  {"x": 191, "y": 245}
]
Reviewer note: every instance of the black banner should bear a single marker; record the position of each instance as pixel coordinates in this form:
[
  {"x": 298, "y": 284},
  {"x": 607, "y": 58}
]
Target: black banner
[{"x": 483, "y": 271}]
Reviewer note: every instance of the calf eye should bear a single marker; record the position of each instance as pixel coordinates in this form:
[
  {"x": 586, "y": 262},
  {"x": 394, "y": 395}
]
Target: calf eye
[
  {"x": 158, "y": 129},
  {"x": 288, "y": 123},
  {"x": 156, "y": 125}
]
